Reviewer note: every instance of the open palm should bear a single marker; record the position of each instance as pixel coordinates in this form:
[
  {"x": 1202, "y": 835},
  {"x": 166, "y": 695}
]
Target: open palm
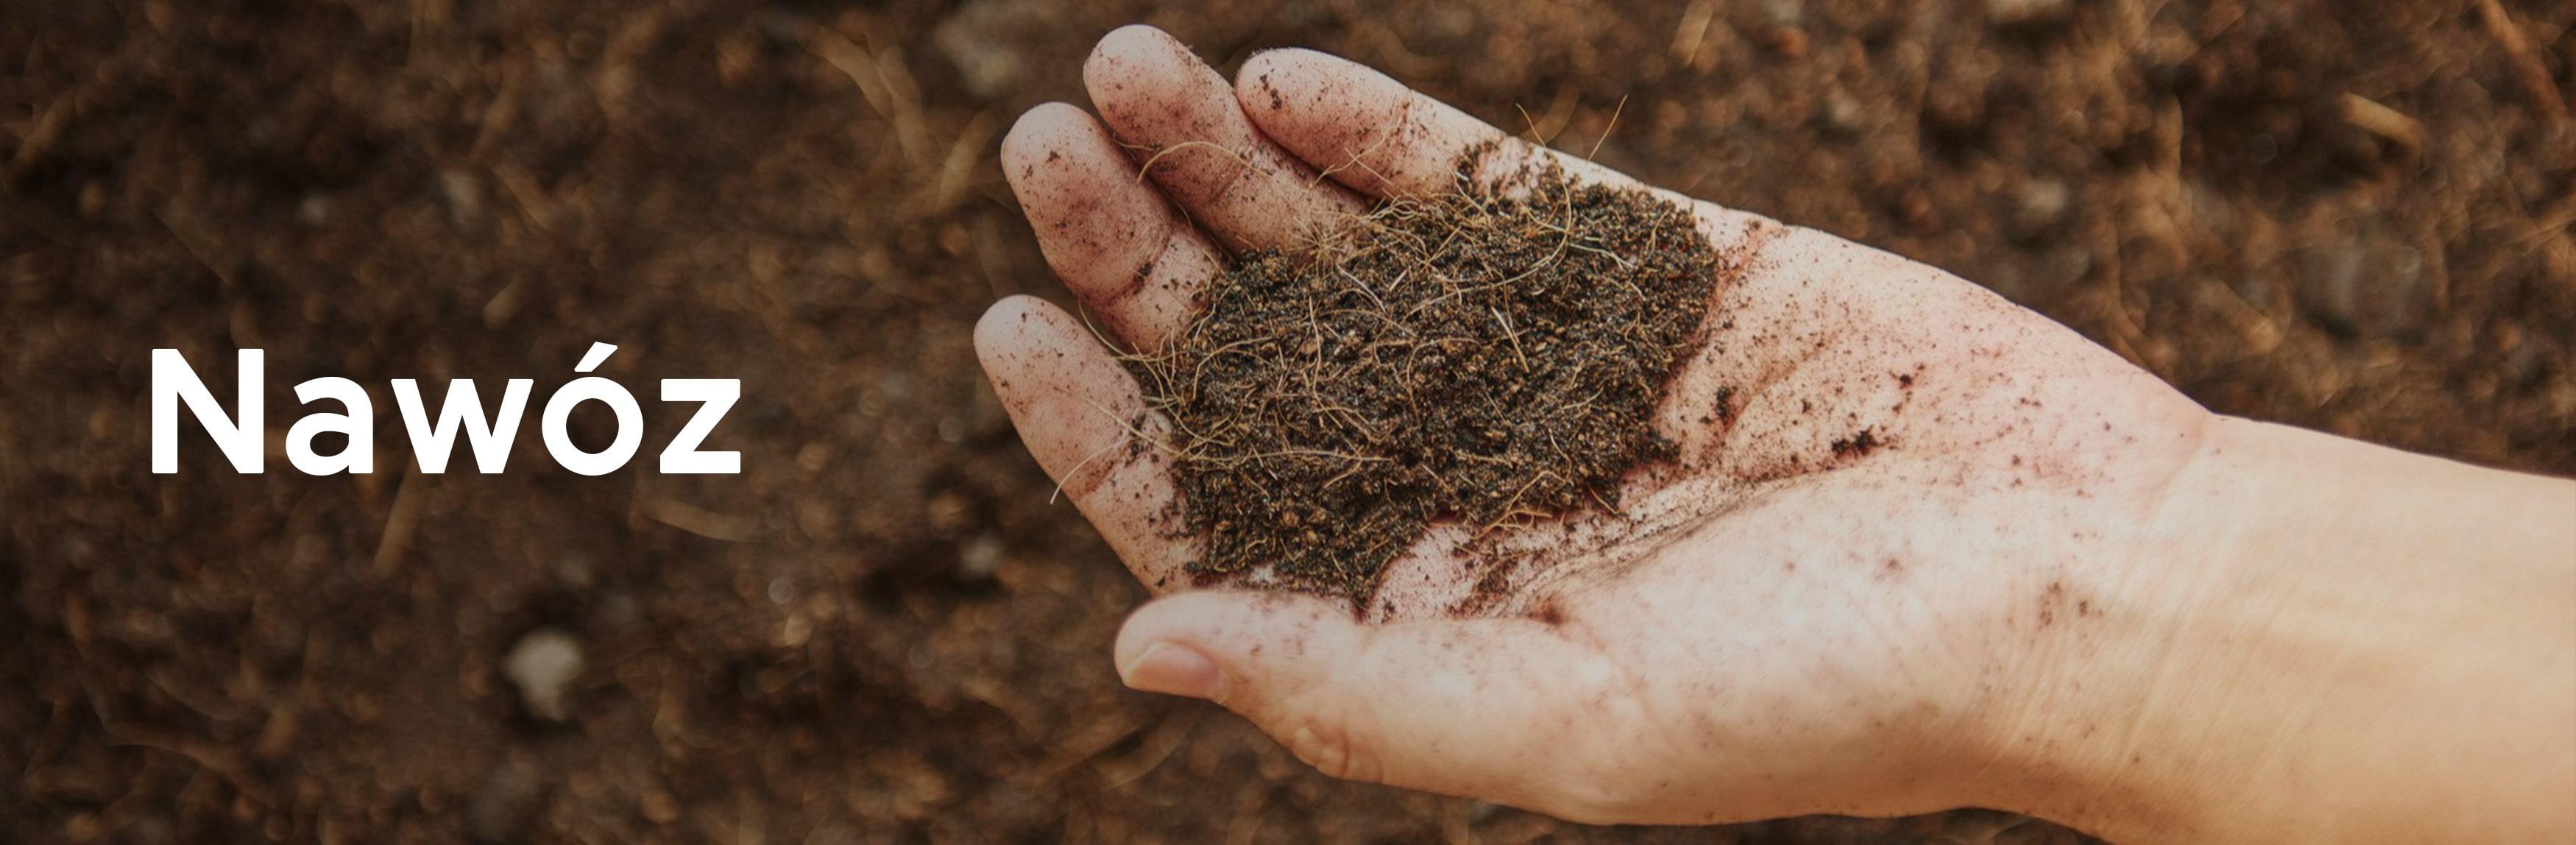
[{"x": 1897, "y": 494}]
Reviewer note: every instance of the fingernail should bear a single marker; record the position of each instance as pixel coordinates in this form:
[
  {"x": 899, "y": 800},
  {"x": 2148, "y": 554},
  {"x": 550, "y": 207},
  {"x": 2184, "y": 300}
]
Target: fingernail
[{"x": 1173, "y": 669}]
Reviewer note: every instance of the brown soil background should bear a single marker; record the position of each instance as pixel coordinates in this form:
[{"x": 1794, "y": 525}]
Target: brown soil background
[{"x": 881, "y": 630}]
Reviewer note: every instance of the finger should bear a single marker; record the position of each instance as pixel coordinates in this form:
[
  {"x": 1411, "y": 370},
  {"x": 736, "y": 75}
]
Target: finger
[
  {"x": 1370, "y": 132},
  {"x": 1500, "y": 709},
  {"x": 1375, "y": 135},
  {"x": 1085, "y": 421},
  {"x": 1122, "y": 249},
  {"x": 1181, "y": 118}
]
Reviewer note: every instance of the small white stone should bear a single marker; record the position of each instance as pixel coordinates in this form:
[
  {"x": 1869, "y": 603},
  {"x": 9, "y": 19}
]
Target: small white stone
[
  {"x": 543, "y": 665},
  {"x": 2042, "y": 202},
  {"x": 980, "y": 557}
]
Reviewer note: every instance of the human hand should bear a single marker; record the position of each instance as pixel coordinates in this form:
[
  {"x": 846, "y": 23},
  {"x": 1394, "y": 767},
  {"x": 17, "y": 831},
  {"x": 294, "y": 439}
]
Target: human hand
[{"x": 1898, "y": 496}]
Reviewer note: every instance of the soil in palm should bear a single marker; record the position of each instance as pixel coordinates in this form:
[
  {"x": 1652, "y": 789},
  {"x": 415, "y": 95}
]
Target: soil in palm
[{"x": 1489, "y": 355}]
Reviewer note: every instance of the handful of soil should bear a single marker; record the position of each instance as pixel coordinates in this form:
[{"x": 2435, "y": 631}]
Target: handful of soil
[{"x": 1477, "y": 356}]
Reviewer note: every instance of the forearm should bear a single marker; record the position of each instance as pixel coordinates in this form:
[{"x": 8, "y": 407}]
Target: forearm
[{"x": 2336, "y": 641}]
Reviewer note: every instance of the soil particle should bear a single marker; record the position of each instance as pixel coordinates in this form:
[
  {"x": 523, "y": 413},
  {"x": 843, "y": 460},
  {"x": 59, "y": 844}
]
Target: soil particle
[
  {"x": 1857, "y": 445},
  {"x": 1489, "y": 356}
]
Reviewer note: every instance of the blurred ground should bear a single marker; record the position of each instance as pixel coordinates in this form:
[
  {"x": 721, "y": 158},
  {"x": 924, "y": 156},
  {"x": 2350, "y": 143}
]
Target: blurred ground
[{"x": 2351, "y": 216}]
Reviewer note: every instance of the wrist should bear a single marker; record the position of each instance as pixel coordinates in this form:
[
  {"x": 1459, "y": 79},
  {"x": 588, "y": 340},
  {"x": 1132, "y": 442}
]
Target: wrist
[{"x": 2316, "y": 635}]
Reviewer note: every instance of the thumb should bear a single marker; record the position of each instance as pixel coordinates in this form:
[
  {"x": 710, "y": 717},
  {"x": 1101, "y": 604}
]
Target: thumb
[{"x": 1509, "y": 710}]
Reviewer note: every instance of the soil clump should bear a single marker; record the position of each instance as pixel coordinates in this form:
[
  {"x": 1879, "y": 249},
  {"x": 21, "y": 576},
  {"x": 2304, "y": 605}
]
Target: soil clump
[{"x": 1490, "y": 355}]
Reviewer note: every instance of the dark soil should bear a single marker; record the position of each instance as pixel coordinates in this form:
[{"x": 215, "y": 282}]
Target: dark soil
[
  {"x": 1486, "y": 355},
  {"x": 882, "y": 631}
]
